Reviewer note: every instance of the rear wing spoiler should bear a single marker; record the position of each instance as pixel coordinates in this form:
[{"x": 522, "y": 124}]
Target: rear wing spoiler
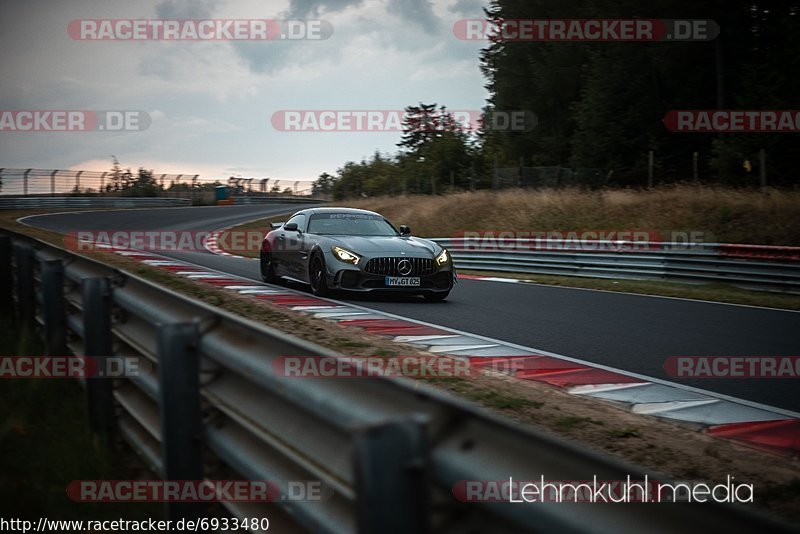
[{"x": 274, "y": 225}]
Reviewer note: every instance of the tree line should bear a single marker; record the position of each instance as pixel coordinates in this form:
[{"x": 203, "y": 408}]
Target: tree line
[{"x": 600, "y": 105}]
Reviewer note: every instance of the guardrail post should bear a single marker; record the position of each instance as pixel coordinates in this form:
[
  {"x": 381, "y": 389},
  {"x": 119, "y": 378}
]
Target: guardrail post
[
  {"x": 52, "y": 289},
  {"x": 26, "y": 298},
  {"x": 179, "y": 407},
  {"x": 96, "y": 299},
  {"x": 391, "y": 474},
  {"x": 6, "y": 274}
]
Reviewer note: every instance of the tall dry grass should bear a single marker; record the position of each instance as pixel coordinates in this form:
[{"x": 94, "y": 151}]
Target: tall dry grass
[{"x": 729, "y": 215}]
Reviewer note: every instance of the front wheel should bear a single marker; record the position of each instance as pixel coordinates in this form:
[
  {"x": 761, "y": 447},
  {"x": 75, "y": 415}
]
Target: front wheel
[
  {"x": 318, "y": 276},
  {"x": 437, "y": 297}
]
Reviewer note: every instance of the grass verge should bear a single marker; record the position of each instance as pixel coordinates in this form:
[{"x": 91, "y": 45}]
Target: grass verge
[
  {"x": 726, "y": 215},
  {"x": 45, "y": 443}
]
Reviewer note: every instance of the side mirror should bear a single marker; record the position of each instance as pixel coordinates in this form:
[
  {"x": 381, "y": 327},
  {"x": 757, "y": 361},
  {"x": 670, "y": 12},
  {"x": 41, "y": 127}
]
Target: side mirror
[
  {"x": 290, "y": 227},
  {"x": 405, "y": 230}
]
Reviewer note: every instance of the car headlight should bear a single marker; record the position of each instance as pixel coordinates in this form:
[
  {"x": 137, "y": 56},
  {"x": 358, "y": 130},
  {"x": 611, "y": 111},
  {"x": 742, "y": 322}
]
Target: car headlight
[
  {"x": 345, "y": 255},
  {"x": 443, "y": 257}
]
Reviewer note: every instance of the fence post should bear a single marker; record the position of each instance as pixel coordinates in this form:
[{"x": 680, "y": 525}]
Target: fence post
[
  {"x": 26, "y": 299},
  {"x": 762, "y": 168},
  {"x": 695, "y": 158},
  {"x": 53, "y": 182},
  {"x": 650, "y": 164},
  {"x": 96, "y": 300},
  {"x": 179, "y": 407},
  {"x": 391, "y": 477},
  {"x": 25, "y": 182},
  {"x": 52, "y": 289}
]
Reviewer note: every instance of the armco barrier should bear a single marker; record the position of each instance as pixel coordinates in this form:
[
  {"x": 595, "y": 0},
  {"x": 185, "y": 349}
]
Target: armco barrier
[
  {"x": 774, "y": 268},
  {"x": 391, "y": 450},
  {"x": 32, "y": 202},
  {"x": 252, "y": 199}
]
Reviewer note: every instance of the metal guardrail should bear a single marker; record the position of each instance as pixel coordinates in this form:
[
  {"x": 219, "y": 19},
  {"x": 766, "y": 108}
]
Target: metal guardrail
[
  {"x": 34, "y": 202},
  {"x": 753, "y": 266},
  {"x": 251, "y": 199},
  {"x": 392, "y": 450}
]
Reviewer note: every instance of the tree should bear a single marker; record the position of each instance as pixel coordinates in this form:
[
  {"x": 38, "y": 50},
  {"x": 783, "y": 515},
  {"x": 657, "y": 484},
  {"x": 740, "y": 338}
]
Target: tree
[
  {"x": 323, "y": 185},
  {"x": 144, "y": 185}
]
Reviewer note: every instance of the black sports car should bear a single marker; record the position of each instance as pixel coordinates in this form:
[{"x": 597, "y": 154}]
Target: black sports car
[{"x": 354, "y": 250}]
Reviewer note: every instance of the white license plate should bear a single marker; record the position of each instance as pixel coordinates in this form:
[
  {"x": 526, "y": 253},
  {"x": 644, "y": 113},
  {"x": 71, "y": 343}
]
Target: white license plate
[{"x": 409, "y": 281}]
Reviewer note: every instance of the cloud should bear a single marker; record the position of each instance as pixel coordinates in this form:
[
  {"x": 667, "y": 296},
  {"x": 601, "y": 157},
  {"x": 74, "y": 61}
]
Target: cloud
[
  {"x": 186, "y": 9},
  {"x": 468, "y": 8},
  {"x": 418, "y": 12},
  {"x": 300, "y": 9},
  {"x": 211, "y": 102}
]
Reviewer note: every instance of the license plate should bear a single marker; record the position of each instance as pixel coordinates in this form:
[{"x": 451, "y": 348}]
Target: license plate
[{"x": 409, "y": 281}]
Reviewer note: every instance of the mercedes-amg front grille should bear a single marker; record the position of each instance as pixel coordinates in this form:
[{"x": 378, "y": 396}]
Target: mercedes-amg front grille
[{"x": 399, "y": 267}]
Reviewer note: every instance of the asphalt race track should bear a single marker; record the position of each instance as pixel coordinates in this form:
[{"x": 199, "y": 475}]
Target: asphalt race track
[{"x": 630, "y": 332}]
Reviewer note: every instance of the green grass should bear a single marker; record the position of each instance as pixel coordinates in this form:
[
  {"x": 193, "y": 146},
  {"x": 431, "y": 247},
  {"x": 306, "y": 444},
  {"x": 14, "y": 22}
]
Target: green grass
[
  {"x": 501, "y": 401},
  {"x": 623, "y": 433},
  {"x": 571, "y": 421},
  {"x": 45, "y": 443}
]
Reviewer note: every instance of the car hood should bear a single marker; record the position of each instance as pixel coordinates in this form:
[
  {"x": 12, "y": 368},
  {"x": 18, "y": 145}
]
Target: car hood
[{"x": 390, "y": 245}]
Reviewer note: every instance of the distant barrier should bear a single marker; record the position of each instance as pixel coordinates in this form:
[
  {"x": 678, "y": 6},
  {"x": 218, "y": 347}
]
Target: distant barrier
[
  {"x": 31, "y": 202},
  {"x": 761, "y": 267}
]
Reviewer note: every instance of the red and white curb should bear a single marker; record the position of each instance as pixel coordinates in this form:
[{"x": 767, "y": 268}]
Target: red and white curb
[
  {"x": 768, "y": 428},
  {"x": 211, "y": 243}
]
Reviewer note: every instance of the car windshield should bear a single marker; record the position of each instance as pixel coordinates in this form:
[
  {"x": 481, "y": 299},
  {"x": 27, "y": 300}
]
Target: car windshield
[{"x": 350, "y": 224}]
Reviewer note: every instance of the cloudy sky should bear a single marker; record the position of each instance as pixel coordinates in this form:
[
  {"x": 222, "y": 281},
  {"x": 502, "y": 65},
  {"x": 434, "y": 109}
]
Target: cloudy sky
[{"x": 211, "y": 103}]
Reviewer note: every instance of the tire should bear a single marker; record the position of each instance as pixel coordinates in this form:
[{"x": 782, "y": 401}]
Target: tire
[
  {"x": 436, "y": 297},
  {"x": 318, "y": 277},
  {"x": 268, "y": 269}
]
